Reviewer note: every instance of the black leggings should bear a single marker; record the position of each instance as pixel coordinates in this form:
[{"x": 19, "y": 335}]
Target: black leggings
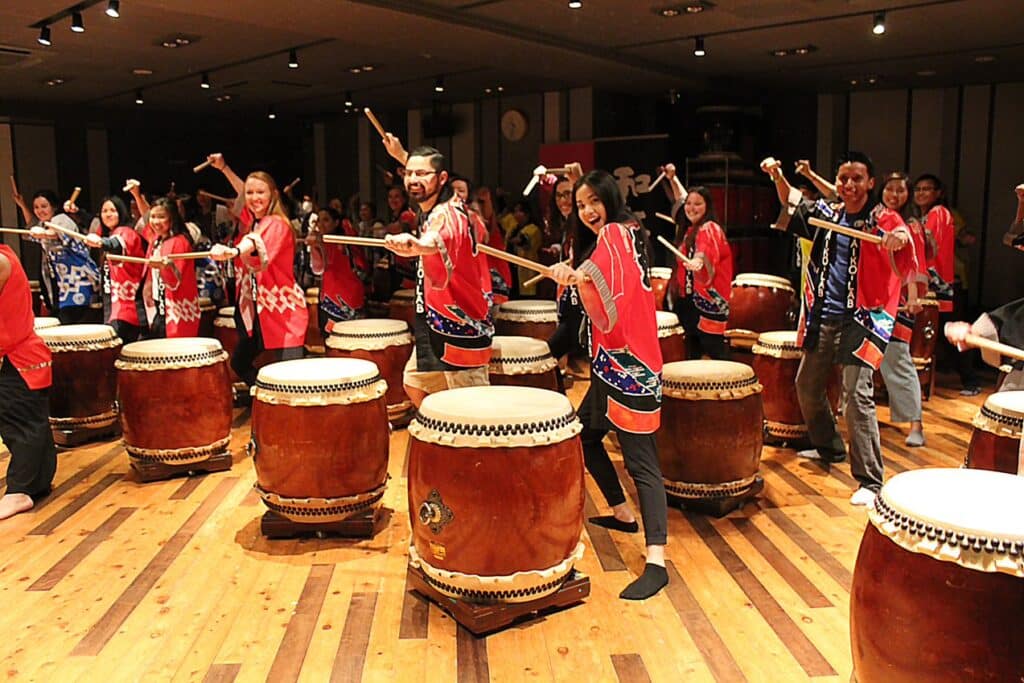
[
  {"x": 249, "y": 347},
  {"x": 25, "y": 429},
  {"x": 74, "y": 315},
  {"x": 699, "y": 342}
]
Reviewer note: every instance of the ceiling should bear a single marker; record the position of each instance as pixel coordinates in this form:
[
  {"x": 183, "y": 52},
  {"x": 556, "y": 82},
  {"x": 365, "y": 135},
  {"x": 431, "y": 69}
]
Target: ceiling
[{"x": 519, "y": 45}]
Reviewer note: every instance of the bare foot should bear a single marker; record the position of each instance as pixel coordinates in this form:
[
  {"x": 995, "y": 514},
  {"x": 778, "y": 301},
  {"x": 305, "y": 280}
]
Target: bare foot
[{"x": 14, "y": 503}]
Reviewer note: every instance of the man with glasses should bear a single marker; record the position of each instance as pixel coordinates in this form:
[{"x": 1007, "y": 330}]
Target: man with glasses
[{"x": 453, "y": 328}]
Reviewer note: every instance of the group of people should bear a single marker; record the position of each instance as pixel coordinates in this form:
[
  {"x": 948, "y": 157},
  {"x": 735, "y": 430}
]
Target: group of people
[{"x": 850, "y": 311}]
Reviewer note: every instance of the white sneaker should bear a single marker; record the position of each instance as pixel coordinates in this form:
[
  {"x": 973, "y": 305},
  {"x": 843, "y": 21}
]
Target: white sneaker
[
  {"x": 863, "y": 496},
  {"x": 810, "y": 454}
]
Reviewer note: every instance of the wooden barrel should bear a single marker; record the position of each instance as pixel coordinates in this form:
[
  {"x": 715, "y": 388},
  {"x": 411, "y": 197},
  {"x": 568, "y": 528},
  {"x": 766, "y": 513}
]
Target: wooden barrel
[
  {"x": 385, "y": 342},
  {"x": 523, "y": 362},
  {"x": 995, "y": 442}
]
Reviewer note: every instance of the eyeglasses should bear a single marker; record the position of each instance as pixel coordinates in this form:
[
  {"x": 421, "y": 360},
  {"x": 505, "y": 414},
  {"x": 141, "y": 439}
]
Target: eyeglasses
[
  {"x": 563, "y": 195},
  {"x": 419, "y": 173}
]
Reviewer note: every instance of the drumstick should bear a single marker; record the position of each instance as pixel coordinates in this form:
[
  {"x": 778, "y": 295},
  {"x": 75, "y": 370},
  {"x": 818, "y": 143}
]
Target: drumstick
[
  {"x": 538, "y": 173},
  {"x": 128, "y": 259},
  {"x": 842, "y": 229},
  {"x": 988, "y": 344},
  {"x": 537, "y": 278},
  {"x": 74, "y": 194},
  {"x": 374, "y": 121},
  {"x": 289, "y": 186},
  {"x": 201, "y": 166},
  {"x": 16, "y": 231},
  {"x": 671, "y": 247},
  {"x": 70, "y": 233},
  {"x": 218, "y": 198},
  {"x": 354, "y": 241},
  {"x": 656, "y": 181},
  {"x": 665, "y": 217},
  {"x": 130, "y": 184},
  {"x": 189, "y": 255}
]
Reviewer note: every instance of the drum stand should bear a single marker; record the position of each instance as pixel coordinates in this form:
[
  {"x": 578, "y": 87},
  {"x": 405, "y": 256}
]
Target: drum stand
[
  {"x": 152, "y": 470},
  {"x": 363, "y": 525},
  {"x": 720, "y": 506},
  {"x": 482, "y": 618},
  {"x": 69, "y": 438}
]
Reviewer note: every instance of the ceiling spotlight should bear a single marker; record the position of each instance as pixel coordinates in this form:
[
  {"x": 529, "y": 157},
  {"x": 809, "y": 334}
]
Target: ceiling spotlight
[
  {"x": 138, "y": 97},
  {"x": 114, "y": 9},
  {"x": 879, "y": 26},
  {"x": 44, "y": 36},
  {"x": 356, "y": 70},
  {"x": 487, "y": 90},
  {"x": 698, "y": 47},
  {"x": 77, "y": 25},
  {"x": 293, "y": 59},
  {"x": 55, "y": 81},
  {"x": 780, "y": 53},
  {"x": 575, "y": 4},
  {"x": 348, "y": 98},
  {"x": 205, "y": 83},
  {"x": 271, "y": 114},
  {"x": 439, "y": 85},
  {"x": 501, "y": 88},
  {"x": 695, "y": 8}
]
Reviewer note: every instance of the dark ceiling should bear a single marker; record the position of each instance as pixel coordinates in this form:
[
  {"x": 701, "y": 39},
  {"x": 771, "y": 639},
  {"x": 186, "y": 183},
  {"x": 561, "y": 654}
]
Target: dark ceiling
[{"x": 519, "y": 45}]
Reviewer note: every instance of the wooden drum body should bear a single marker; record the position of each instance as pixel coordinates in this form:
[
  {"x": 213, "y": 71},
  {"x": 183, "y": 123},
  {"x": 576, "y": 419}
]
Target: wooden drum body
[
  {"x": 523, "y": 362},
  {"x": 710, "y": 439},
  {"x": 938, "y": 588},
  {"x": 314, "y": 338},
  {"x": 759, "y": 303},
  {"x": 995, "y": 443},
  {"x": 527, "y": 318},
  {"x": 320, "y": 438},
  {"x": 496, "y": 503},
  {"x": 175, "y": 400},
  {"x": 660, "y": 279},
  {"x": 83, "y": 397},
  {"x": 385, "y": 342},
  {"x": 402, "y": 306},
  {"x": 671, "y": 337},
  {"x": 776, "y": 361}
]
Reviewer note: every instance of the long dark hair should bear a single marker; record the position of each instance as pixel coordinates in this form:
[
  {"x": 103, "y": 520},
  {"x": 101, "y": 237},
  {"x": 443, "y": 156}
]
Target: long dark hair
[
  {"x": 556, "y": 224},
  {"x": 907, "y": 207},
  {"x": 177, "y": 224},
  {"x": 607, "y": 190},
  {"x": 683, "y": 223}
]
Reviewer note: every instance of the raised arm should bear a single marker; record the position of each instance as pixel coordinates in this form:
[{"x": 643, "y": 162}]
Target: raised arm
[
  {"x": 218, "y": 162},
  {"x": 827, "y": 189}
]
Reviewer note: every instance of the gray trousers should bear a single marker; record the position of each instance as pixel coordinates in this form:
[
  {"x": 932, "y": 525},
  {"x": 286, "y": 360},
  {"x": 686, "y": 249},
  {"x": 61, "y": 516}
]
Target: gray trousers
[
  {"x": 858, "y": 395},
  {"x": 901, "y": 382}
]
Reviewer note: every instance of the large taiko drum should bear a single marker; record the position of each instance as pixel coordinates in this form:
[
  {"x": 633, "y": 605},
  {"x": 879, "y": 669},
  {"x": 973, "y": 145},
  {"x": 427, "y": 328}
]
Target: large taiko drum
[
  {"x": 314, "y": 338},
  {"x": 523, "y": 362},
  {"x": 175, "y": 400},
  {"x": 496, "y": 497},
  {"x": 83, "y": 397},
  {"x": 320, "y": 438},
  {"x": 776, "y": 361},
  {"x": 402, "y": 306},
  {"x": 660, "y": 278},
  {"x": 759, "y": 303},
  {"x": 995, "y": 443},
  {"x": 207, "y": 316},
  {"x": 710, "y": 439},
  {"x": 527, "y": 318},
  {"x": 37, "y": 297},
  {"x": 385, "y": 342},
  {"x": 42, "y": 323},
  {"x": 671, "y": 337},
  {"x": 938, "y": 588}
]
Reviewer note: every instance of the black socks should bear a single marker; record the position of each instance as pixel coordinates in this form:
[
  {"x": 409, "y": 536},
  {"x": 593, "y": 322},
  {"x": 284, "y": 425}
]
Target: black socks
[
  {"x": 654, "y": 578},
  {"x": 609, "y": 522}
]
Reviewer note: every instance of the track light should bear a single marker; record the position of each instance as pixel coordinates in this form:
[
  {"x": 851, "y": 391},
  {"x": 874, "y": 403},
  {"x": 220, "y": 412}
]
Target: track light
[
  {"x": 114, "y": 9},
  {"x": 44, "y": 36},
  {"x": 879, "y": 25},
  {"x": 271, "y": 114},
  {"x": 698, "y": 47},
  {"x": 575, "y": 4},
  {"x": 138, "y": 97},
  {"x": 293, "y": 59},
  {"x": 77, "y": 25},
  {"x": 205, "y": 83},
  {"x": 439, "y": 84},
  {"x": 348, "y": 98}
]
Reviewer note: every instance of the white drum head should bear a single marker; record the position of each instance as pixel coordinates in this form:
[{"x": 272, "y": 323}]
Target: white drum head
[
  {"x": 779, "y": 344},
  {"x": 319, "y": 382},
  {"x": 520, "y": 356},
  {"x": 369, "y": 334},
  {"x": 404, "y": 296},
  {"x": 660, "y": 273},
  {"x": 762, "y": 280},
  {"x": 709, "y": 380},
  {"x": 528, "y": 310},
  {"x": 668, "y": 324},
  {"x": 44, "y": 323},
  {"x": 170, "y": 354},
  {"x": 1002, "y": 414},
  {"x": 79, "y": 337},
  {"x": 225, "y": 317}
]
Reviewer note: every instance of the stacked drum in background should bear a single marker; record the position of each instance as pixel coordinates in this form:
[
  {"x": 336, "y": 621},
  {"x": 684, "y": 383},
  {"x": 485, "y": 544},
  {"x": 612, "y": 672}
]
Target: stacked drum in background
[
  {"x": 535, "y": 318},
  {"x": 388, "y": 344},
  {"x": 523, "y": 362},
  {"x": 759, "y": 303},
  {"x": 996, "y": 441}
]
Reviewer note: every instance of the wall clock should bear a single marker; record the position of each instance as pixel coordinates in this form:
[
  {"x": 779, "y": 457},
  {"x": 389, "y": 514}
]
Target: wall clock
[{"x": 514, "y": 125}]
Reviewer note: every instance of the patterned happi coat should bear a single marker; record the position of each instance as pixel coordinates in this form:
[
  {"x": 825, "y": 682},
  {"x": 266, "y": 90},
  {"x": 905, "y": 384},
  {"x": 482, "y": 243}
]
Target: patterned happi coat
[
  {"x": 69, "y": 273},
  {"x": 168, "y": 300}
]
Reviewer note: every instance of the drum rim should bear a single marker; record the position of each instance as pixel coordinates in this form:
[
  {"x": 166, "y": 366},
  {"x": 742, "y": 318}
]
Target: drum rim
[
  {"x": 48, "y": 324},
  {"x": 528, "y": 305},
  {"x": 999, "y": 419},
  {"x": 206, "y": 351},
  {"x": 660, "y": 269},
  {"x": 401, "y": 327},
  {"x": 766, "y": 280},
  {"x": 76, "y": 338},
  {"x": 710, "y": 388},
  {"x": 364, "y": 373}
]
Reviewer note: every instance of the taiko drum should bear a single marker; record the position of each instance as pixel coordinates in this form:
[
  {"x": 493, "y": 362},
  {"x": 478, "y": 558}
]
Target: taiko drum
[
  {"x": 385, "y": 342},
  {"x": 535, "y": 318},
  {"x": 759, "y": 303},
  {"x": 402, "y": 306},
  {"x": 671, "y": 337},
  {"x": 660, "y": 279},
  {"x": 314, "y": 338},
  {"x": 996, "y": 441},
  {"x": 523, "y": 362},
  {"x": 776, "y": 361}
]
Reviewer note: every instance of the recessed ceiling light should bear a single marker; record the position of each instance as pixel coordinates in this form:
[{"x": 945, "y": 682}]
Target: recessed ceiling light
[
  {"x": 173, "y": 42},
  {"x": 669, "y": 12},
  {"x": 56, "y": 80},
  {"x": 142, "y": 72},
  {"x": 138, "y": 98},
  {"x": 487, "y": 91},
  {"x": 293, "y": 59},
  {"x": 780, "y": 53},
  {"x": 878, "y": 26},
  {"x": 575, "y": 4},
  {"x": 698, "y": 47},
  {"x": 356, "y": 70},
  {"x": 985, "y": 59},
  {"x": 369, "y": 67},
  {"x": 697, "y": 7},
  {"x": 205, "y": 82},
  {"x": 853, "y": 81},
  {"x": 872, "y": 80},
  {"x": 501, "y": 88},
  {"x": 348, "y": 98}
]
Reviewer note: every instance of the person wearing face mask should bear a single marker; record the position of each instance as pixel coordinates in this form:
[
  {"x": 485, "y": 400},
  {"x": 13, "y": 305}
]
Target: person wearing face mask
[
  {"x": 69, "y": 274},
  {"x": 702, "y": 284},
  {"x": 848, "y": 312},
  {"x": 342, "y": 268},
  {"x": 167, "y": 300},
  {"x": 453, "y": 328},
  {"x": 625, "y": 387},
  {"x": 271, "y": 313},
  {"x": 120, "y": 279}
]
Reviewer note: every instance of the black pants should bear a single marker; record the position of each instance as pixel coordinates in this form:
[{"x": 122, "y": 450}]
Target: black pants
[
  {"x": 74, "y": 315},
  {"x": 699, "y": 342},
  {"x": 126, "y": 331},
  {"x": 25, "y": 429},
  {"x": 244, "y": 359},
  {"x": 640, "y": 453}
]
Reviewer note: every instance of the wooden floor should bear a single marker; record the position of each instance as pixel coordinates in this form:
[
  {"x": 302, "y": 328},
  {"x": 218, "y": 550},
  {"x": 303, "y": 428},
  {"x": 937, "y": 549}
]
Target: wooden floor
[{"x": 110, "y": 580}]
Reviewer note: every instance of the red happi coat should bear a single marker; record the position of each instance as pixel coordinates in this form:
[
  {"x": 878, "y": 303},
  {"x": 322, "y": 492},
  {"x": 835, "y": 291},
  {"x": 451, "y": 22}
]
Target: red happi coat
[
  {"x": 495, "y": 290},
  {"x": 623, "y": 331},
  {"x": 904, "y": 328},
  {"x": 406, "y": 267},
  {"x": 19, "y": 343},
  {"x": 121, "y": 279},
  {"x": 341, "y": 290},
  {"x": 940, "y": 246},
  {"x": 171, "y": 291},
  {"x": 452, "y": 306},
  {"x": 710, "y": 288},
  {"x": 269, "y": 274}
]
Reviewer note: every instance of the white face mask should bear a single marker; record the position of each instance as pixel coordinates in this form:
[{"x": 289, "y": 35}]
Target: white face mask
[{"x": 307, "y": 207}]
